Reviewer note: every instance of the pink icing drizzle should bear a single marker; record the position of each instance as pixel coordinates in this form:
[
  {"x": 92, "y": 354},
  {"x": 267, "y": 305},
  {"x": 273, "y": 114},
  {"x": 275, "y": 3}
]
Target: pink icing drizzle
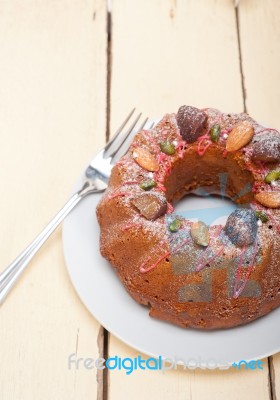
[
  {"x": 114, "y": 194},
  {"x": 207, "y": 143},
  {"x": 130, "y": 226},
  {"x": 202, "y": 264},
  {"x": 170, "y": 208},
  {"x": 237, "y": 291},
  {"x": 181, "y": 148},
  {"x": 225, "y": 153},
  {"x": 143, "y": 270},
  {"x": 121, "y": 194}
]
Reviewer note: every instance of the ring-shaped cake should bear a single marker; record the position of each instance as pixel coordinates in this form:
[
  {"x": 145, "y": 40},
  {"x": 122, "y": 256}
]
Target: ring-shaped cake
[{"x": 189, "y": 273}]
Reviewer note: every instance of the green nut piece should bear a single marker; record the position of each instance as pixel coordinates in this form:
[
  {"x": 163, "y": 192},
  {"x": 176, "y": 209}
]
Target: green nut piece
[
  {"x": 215, "y": 133},
  {"x": 147, "y": 185},
  {"x": 262, "y": 216},
  {"x": 272, "y": 176},
  {"x": 175, "y": 225},
  {"x": 167, "y": 148}
]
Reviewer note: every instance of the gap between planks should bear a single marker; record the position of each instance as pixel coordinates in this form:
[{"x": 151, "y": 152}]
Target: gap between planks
[
  {"x": 271, "y": 371},
  {"x": 103, "y": 339},
  {"x": 240, "y": 59}
]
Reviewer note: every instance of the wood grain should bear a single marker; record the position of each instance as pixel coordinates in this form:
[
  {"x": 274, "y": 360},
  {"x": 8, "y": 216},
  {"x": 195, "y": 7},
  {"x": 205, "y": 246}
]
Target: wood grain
[
  {"x": 52, "y": 117},
  {"x": 275, "y": 376},
  {"x": 53, "y": 76},
  {"x": 185, "y": 384},
  {"x": 259, "y": 24},
  {"x": 177, "y": 52}
]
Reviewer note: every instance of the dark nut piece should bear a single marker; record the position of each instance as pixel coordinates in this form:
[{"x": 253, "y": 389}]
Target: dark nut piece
[
  {"x": 242, "y": 227},
  {"x": 191, "y": 122},
  {"x": 151, "y": 206},
  {"x": 267, "y": 148}
]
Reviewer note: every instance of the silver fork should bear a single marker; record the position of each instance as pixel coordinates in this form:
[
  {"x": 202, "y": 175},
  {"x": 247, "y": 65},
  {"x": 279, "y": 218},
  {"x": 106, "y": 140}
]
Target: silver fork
[{"x": 95, "y": 181}]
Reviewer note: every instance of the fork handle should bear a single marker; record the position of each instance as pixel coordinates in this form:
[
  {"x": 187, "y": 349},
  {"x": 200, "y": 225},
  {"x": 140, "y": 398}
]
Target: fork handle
[{"x": 11, "y": 274}]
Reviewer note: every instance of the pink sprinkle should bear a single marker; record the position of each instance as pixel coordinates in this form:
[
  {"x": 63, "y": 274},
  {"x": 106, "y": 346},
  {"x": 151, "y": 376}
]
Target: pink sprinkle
[
  {"x": 118, "y": 195},
  {"x": 161, "y": 187},
  {"x": 151, "y": 139},
  {"x": 170, "y": 208},
  {"x": 224, "y": 154},
  {"x": 180, "y": 148},
  {"x": 125, "y": 161},
  {"x": 262, "y": 167},
  {"x": 165, "y": 167},
  {"x": 130, "y": 226},
  {"x": 120, "y": 186}
]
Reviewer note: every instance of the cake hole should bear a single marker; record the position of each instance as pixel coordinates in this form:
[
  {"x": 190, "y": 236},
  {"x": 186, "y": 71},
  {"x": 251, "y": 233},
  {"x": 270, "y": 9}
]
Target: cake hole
[
  {"x": 209, "y": 208},
  {"x": 269, "y": 226}
]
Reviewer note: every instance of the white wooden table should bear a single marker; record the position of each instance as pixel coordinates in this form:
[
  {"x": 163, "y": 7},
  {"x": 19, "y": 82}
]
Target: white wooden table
[{"x": 69, "y": 72}]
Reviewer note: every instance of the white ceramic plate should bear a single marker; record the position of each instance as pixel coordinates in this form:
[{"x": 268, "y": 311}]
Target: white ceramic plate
[{"x": 103, "y": 294}]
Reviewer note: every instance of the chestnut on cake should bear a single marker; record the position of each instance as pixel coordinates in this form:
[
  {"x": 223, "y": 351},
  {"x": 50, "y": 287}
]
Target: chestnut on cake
[{"x": 188, "y": 273}]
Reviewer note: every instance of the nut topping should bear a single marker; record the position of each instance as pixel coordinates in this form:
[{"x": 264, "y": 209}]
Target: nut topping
[
  {"x": 269, "y": 199},
  {"x": 145, "y": 159},
  {"x": 240, "y": 136},
  {"x": 191, "y": 122}
]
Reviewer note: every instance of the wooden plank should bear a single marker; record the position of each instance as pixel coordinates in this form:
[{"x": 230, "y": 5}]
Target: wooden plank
[
  {"x": 176, "y": 52},
  {"x": 185, "y": 384},
  {"x": 275, "y": 376},
  {"x": 164, "y": 54},
  {"x": 53, "y": 114},
  {"x": 260, "y": 36}
]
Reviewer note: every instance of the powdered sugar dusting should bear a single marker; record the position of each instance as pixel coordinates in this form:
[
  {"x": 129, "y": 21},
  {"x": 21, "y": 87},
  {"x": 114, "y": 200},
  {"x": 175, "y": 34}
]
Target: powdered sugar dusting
[{"x": 130, "y": 175}]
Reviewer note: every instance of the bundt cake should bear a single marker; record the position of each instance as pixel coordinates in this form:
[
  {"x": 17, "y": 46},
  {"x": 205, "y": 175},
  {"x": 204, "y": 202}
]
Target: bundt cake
[{"x": 189, "y": 273}]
